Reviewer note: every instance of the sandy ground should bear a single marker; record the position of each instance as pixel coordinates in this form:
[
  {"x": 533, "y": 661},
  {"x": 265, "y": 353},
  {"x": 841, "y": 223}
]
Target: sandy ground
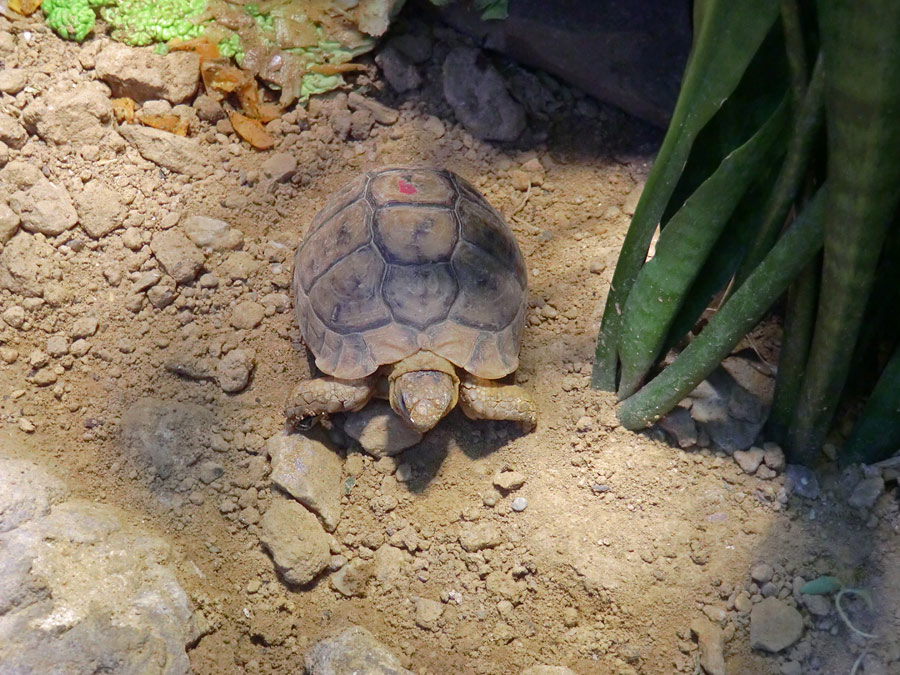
[{"x": 625, "y": 540}]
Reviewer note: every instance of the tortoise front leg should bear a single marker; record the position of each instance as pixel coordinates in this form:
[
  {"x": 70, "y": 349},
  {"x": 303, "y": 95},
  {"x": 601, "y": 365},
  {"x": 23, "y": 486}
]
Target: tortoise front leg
[
  {"x": 327, "y": 396},
  {"x": 492, "y": 400}
]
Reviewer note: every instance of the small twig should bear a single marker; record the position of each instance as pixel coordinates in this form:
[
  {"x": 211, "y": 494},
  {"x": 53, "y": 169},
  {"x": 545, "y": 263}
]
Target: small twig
[{"x": 524, "y": 202}]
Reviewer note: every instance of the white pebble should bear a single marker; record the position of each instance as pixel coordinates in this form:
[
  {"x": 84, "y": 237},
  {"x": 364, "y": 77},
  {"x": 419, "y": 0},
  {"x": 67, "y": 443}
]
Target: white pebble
[{"x": 519, "y": 504}]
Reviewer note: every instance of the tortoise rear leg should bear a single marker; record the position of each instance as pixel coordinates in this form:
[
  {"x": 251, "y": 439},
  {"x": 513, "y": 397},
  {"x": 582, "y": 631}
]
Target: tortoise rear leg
[
  {"x": 492, "y": 400},
  {"x": 327, "y": 396}
]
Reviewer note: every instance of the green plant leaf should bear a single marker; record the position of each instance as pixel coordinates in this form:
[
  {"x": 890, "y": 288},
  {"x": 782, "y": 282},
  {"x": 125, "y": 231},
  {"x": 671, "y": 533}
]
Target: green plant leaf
[
  {"x": 728, "y": 35},
  {"x": 683, "y": 247}
]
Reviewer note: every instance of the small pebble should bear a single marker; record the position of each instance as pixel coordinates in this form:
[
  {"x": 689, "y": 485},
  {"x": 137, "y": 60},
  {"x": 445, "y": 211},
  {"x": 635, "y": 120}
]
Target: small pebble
[{"x": 519, "y": 504}]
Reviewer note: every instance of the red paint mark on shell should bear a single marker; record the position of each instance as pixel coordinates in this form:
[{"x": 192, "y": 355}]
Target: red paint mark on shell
[{"x": 406, "y": 188}]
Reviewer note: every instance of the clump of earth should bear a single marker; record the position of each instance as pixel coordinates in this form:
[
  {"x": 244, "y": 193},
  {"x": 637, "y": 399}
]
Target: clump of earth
[{"x": 147, "y": 347}]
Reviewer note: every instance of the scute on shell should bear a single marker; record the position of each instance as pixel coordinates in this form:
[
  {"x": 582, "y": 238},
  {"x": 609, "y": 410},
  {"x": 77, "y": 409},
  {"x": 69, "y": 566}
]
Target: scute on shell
[{"x": 405, "y": 259}]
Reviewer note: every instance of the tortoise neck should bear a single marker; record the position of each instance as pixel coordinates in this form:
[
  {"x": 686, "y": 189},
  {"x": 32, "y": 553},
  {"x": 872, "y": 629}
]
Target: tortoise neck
[{"x": 423, "y": 360}]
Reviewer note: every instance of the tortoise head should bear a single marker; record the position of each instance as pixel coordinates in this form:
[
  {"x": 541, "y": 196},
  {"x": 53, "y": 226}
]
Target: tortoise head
[{"x": 422, "y": 391}]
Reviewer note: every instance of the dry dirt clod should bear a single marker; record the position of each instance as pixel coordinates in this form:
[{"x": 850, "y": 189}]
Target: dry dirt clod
[{"x": 295, "y": 540}]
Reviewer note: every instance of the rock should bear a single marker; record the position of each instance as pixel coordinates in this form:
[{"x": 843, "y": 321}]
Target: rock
[
  {"x": 65, "y": 115},
  {"x": 397, "y": 70},
  {"x": 146, "y": 280},
  {"x": 247, "y": 315},
  {"x": 208, "y": 109},
  {"x": 176, "y": 153},
  {"x": 867, "y": 492},
  {"x": 519, "y": 504},
  {"x": 751, "y": 374},
  {"x": 168, "y": 435},
  {"x": 380, "y": 112},
  {"x": 179, "y": 256},
  {"x": 23, "y": 269},
  {"x": 79, "y": 588},
  {"x": 14, "y": 316},
  {"x": 84, "y": 327},
  {"x": 9, "y": 222},
  {"x": 234, "y": 369},
  {"x": 45, "y": 207},
  {"x": 428, "y": 612},
  {"x": 27, "y": 492},
  {"x": 213, "y": 233},
  {"x": 480, "y": 535},
  {"x": 774, "y": 625},
  {"x": 161, "y": 296},
  {"x": 818, "y": 605},
  {"x": 210, "y": 471},
  {"x": 548, "y": 670},
  {"x": 143, "y": 75},
  {"x": 295, "y": 540},
  {"x": 774, "y": 457},
  {"x": 762, "y": 573},
  {"x": 730, "y": 415},
  {"x": 361, "y": 123},
  {"x": 479, "y": 98},
  {"x": 100, "y": 209},
  {"x": 353, "y": 651},
  {"x": 711, "y": 642},
  {"x": 801, "y": 481},
  {"x": 415, "y": 46},
  {"x": 11, "y": 132},
  {"x": 679, "y": 424},
  {"x": 279, "y": 167},
  {"x": 390, "y": 563},
  {"x": 13, "y": 80},
  {"x": 309, "y": 472},
  {"x": 351, "y": 580},
  {"x": 380, "y": 431},
  {"x": 57, "y": 346},
  {"x": 238, "y": 266},
  {"x": 749, "y": 460},
  {"x": 509, "y": 480}
]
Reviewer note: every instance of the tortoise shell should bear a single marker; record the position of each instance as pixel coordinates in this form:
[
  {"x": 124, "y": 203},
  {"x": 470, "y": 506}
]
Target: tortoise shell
[{"x": 404, "y": 259}]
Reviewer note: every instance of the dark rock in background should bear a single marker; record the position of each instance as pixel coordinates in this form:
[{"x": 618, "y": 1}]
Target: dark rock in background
[{"x": 630, "y": 53}]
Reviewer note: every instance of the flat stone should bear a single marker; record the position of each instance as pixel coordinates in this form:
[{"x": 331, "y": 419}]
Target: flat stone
[
  {"x": 397, "y": 70},
  {"x": 295, "y": 540},
  {"x": 176, "y": 153},
  {"x": 179, "y": 257},
  {"x": 711, "y": 642},
  {"x": 480, "y": 535},
  {"x": 678, "y": 424},
  {"x": 72, "y": 574},
  {"x": 100, "y": 209},
  {"x": 774, "y": 625},
  {"x": 64, "y": 113},
  {"x": 212, "y": 233},
  {"x": 479, "y": 97},
  {"x": 143, "y": 75},
  {"x": 279, "y": 167},
  {"x": 45, "y": 208},
  {"x": 749, "y": 460},
  {"x": 380, "y": 431},
  {"x": 351, "y": 580},
  {"x": 310, "y": 472},
  {"x": 428, "y": 613},
  {"x": 867, "y": 492},
  {"x": 355, "y": 650},
  {"x": 380, "y": 112},
  {"x": 509, "y": 480}
]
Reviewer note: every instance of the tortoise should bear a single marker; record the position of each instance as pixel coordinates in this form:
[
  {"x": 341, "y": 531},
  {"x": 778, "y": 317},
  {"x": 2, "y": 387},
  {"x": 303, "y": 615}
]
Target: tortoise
[{"x": 410, "y": 286}]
